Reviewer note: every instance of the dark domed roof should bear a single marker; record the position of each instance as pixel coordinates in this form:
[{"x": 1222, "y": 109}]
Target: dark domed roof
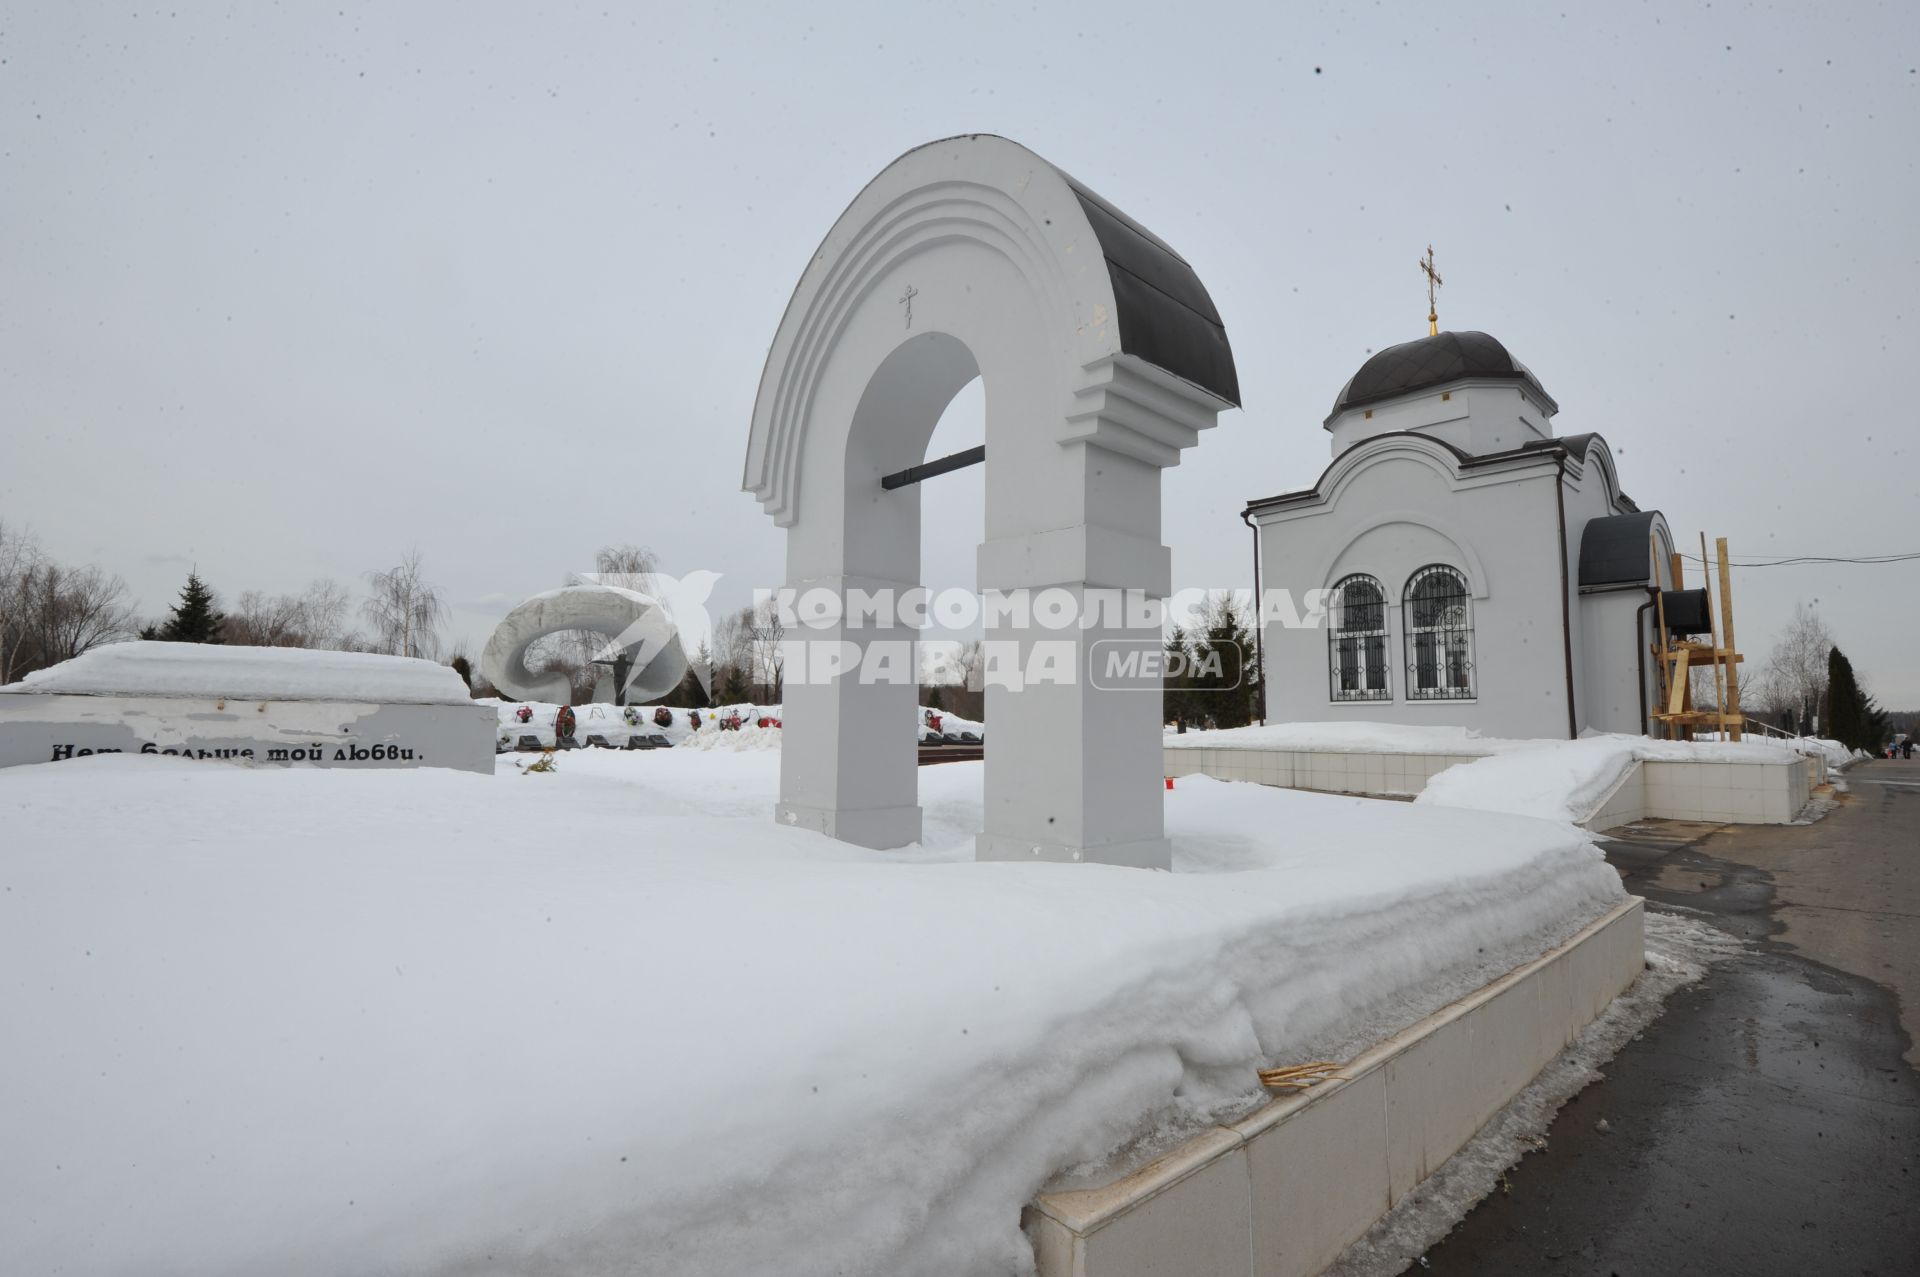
[{"x": 1433, "y": 361}]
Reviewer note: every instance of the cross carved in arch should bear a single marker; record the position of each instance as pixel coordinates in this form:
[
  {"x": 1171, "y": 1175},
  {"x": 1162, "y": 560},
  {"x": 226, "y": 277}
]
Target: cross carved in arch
[{"x": 907, "y": 299}]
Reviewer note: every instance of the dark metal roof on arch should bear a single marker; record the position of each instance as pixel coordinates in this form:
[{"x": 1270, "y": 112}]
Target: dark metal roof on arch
[
  {"x": 1616, "y": 550},
  {"x": 1165, "y": 314},
  {"x": 1433, "y": 361}
]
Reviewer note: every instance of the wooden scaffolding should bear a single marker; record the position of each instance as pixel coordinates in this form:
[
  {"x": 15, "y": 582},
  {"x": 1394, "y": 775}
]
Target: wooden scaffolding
[{"x": 1678, "y": 656}]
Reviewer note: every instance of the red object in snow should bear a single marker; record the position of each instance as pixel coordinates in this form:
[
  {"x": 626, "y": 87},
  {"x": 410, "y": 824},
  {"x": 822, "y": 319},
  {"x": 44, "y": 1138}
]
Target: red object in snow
[
  {"x": 933, "y": 721},
  {"x": 768, "y": 720},
  {"x": 1169, "y": 782},
  {"x": 524, "y": 713}
]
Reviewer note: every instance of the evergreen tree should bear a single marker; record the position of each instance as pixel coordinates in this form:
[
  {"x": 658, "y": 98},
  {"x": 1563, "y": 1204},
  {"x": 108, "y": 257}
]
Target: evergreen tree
[
  {"x": 733, "y": 686},
  {"x": 1879, "y": 728},
  {"x": 464, "y": 668},
  {"x": 1222, "y": 654},
  {"x": 689, "y": 694},
  {"x": 193, "y": 619},
  {"x": 1851, "y": 717},
  {"x": 1176, "y": 698}
]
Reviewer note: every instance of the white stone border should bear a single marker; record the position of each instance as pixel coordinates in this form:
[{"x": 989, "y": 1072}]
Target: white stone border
[{"x": 1282, "y": 1192}]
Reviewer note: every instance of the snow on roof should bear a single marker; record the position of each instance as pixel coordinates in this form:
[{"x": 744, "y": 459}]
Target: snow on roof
[{"x": 215, "y": 670}]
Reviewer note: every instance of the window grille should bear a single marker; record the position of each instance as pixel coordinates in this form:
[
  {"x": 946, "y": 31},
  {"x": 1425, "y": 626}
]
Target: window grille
[
  {"x": 1439, "y": 635},
  {"x": 1357, "y": 641}
]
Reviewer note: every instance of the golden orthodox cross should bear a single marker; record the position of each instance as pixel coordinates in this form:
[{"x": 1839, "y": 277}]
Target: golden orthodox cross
[{"x": 1433, "y": 282}]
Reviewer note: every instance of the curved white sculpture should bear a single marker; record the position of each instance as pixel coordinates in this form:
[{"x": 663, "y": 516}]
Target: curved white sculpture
[
  {"x": 634, "y": 623},
  {"x": 1103, "y": 358}
]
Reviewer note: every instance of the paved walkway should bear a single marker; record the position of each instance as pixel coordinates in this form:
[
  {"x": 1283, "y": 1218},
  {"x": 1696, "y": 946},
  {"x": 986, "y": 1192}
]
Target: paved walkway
[{"x": 1769, "y": 1122}]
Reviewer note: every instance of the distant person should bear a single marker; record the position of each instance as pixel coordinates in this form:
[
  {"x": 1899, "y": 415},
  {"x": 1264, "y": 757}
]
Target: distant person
[{"x": 1906, "y": 749}]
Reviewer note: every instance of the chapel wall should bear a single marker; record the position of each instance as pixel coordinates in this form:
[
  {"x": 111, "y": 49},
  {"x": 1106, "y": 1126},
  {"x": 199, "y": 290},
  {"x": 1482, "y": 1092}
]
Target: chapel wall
[{"x": 1499, "y": 531}]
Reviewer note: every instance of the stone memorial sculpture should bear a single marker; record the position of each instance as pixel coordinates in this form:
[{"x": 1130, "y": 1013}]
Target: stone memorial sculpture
[{"x": 644, "y": 655}]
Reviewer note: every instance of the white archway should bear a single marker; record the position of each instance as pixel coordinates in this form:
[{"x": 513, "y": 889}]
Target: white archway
[{"x": 1102, "y": 358}]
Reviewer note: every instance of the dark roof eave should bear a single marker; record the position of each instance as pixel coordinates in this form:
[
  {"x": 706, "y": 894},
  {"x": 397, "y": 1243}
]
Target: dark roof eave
[{"x": 1555, "y": 449}]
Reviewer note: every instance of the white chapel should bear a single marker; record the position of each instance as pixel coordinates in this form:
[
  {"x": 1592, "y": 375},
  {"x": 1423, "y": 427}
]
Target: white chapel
[{"x": 1485, "y": 572}]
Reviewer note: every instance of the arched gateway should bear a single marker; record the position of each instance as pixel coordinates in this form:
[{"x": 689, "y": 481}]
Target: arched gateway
[{"x": 1102, "y": 357}]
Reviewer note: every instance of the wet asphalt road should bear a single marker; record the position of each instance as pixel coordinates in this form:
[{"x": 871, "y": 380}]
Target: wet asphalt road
[{"x": 1769, "y": 1121}]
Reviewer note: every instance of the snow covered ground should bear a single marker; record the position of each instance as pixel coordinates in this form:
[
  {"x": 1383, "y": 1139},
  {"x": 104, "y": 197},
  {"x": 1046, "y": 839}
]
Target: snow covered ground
[{"x": 614, "y": 1019}]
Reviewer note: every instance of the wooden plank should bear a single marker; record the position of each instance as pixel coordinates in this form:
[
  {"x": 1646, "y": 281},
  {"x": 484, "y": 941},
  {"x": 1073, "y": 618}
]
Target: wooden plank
[
  {"x": 1726, "y": 631},
  {"x": 1713, "y": 631},
  {"x": 1677, "y": 689}
]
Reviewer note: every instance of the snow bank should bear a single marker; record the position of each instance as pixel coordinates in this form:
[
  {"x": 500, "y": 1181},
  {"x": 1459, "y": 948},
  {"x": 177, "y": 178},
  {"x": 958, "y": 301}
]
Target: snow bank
[
  {"x": 747, "y": 737},
  {"x": 1836, "y": 754},
  {"x": 1570, "y": 780},
  {"x": 387, "y": 1022},
  {"x": 1560, "y": 780},
  {"x": 214, "y": 670}
]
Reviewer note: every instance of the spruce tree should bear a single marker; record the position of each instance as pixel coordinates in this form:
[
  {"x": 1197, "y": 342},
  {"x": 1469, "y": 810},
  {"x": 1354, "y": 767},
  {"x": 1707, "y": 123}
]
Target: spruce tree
[
  {"x": 734, "y": 688},
  {"x": 1176, "y": 698},
  {"x": 689, "y": 694},
  {"x": 193, "y": 619},
  {"x": 1851, "y": 717}
]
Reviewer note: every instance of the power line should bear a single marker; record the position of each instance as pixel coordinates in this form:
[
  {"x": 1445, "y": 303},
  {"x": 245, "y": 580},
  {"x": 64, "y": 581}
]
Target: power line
[{"x": 1812, "y": 558}]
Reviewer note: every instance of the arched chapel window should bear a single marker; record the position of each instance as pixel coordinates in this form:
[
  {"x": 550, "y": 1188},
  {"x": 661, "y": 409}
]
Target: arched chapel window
[
  {"x": 1439, "y": 635},
  {"x": 1357, "y": 641}
]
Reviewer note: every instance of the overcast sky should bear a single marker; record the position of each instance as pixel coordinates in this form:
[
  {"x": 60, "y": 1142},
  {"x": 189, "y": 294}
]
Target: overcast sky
[{"x": 288, "y": 289}]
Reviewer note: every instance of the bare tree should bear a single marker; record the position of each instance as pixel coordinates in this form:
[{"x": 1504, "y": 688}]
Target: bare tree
[
  {"x": 732, "y": 657},
  {"x": 1794, "y": 676},
  {"x": 625, "y": 567},
  {"x": 19, "y": 558},
  {"x": 764, "y": 632},
  {"x": 957, "y": 670},
  {"x": 66, "y": 611},
  {"x": 313, "y": 619},
  {"x": 323, "y": 616},
  {"x": 405, "y": 612},
  {"x": 972, "y": 663},
  {"x": 629, "y": 567},
  {"x": 256, "y": 620}
]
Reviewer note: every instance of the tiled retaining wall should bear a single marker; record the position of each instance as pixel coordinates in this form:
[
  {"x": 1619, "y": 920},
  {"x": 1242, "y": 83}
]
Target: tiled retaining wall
[
  {"x": 1730, "y": 793},
  {"x": 1394, "y": 774},
  {"x": 1283, "y": 1192}
]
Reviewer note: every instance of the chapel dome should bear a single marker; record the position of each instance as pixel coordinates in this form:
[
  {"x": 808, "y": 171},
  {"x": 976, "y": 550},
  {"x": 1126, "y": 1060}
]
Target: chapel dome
[{"x": 1434, "y": 361}]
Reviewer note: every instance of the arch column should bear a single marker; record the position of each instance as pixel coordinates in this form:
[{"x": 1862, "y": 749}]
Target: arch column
[{"x": 1074, "y": 766}]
